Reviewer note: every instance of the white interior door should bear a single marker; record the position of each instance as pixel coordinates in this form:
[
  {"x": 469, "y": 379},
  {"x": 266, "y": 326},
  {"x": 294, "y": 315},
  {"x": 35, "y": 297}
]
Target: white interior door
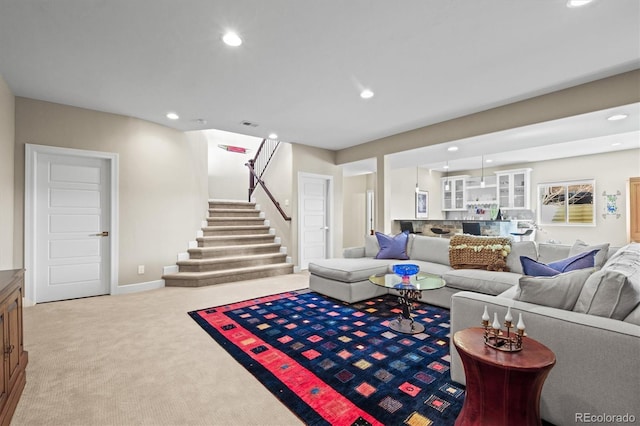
[
  {"x": 72, "y": 221},
  {"x": 313, "y": 218}
]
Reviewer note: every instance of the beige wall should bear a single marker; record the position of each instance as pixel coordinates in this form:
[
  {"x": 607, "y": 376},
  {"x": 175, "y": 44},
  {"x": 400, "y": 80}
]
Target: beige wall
[
  {"x": 228, "y": 175},
  {"x": 162, "y": 179},
  {"x": 7, "y": 135},
  {"x": 611, "y": 172},
  {"x": 354, "y": 212},
  {"x": 279, "y": 180}
]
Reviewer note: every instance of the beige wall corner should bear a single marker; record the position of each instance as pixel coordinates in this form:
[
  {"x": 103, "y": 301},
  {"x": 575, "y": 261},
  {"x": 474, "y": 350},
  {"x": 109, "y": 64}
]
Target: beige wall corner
[
  {"x": 7, "y": 137},
  {"x": 228, "y": 175},
  {"x": 163, "y": 179}
]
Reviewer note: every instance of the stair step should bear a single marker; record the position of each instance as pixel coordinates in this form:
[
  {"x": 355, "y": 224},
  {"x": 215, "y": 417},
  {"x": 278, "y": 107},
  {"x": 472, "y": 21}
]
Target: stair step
[
  {"x": 231, "y": 262},
  {"x": 234, "y": 240},
  {"x": 225, "y": 204},
  {"x": 217, "y": 212},
  {"x": 247, "y": 249},
  {"x": 199, "y": 279},
  {"x": 234, "y": 221},
  {"x": 212, "y": 231},
  {"x": 236, "y": 244}
]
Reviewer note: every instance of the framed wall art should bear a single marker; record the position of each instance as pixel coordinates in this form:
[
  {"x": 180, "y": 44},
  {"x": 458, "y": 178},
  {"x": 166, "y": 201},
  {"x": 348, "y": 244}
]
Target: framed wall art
[
  {"x": 569, "y": 203},
  {"x": 422, "y": 204}
]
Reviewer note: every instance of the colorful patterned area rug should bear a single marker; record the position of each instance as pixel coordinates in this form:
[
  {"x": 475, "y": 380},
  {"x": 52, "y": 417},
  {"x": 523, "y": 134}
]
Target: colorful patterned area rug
[{"x": 339, "y": 364}]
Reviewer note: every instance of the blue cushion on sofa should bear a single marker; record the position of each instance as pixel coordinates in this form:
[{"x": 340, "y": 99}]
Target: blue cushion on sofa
[
  {"x": 538, "y": 269},
  {"x": 392, "y": 247}
]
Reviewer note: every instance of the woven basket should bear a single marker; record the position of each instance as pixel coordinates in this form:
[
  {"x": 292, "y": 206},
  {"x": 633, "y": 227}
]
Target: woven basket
[{"x": 472, "y": 252}]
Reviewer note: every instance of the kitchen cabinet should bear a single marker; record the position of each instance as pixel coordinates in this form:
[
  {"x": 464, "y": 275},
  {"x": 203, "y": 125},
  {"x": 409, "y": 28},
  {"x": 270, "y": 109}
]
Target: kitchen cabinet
[
  {"x": 453, "y": 198},
  {"x": 513, "y": 190}
]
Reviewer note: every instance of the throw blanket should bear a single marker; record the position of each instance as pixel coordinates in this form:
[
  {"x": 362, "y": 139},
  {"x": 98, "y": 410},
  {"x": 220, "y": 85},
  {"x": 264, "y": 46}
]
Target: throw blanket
[{"x": 472, "y": 252}]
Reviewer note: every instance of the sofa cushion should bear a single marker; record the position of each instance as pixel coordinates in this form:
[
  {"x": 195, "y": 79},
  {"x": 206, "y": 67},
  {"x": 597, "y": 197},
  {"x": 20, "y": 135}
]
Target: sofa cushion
[
  {"x": 539, "y": 269},
  {"x": 487, "y": 282},
  {"x": 580, "y": 247},
  {"x": 560, "y": 291},
  {"x": 429, "y": 267},
  {"x": 548, "y": 252},
  {"x": 520, "y": 248},
  {"x": 392, "y": 247},
  {"x": 614, "y": 291},
  {"x": 348, "y": 270},
  {"x": 430, "y": 249},
  {"x": 371, "y": 247},
  {"x": 634, "y": 316}
]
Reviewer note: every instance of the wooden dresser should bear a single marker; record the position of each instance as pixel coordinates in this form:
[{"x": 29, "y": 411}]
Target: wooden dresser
[{"x": 14, "y": 360}]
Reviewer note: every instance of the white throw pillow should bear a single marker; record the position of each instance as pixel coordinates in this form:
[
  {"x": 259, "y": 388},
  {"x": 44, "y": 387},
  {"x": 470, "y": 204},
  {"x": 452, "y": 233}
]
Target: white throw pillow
[
  {"x": 560, "y": 291},
  {"x": 580, "y": 247}
]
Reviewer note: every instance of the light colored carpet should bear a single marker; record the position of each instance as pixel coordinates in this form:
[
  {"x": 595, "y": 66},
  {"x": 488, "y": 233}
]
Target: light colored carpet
[{"x": 139, "y": 359}]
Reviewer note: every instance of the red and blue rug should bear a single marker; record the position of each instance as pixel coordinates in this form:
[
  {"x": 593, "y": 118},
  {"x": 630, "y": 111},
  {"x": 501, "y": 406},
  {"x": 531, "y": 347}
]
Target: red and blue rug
[{"x": 339, "y": 364}]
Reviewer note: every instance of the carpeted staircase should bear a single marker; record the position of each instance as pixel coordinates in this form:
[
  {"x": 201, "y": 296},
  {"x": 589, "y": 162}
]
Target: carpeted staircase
[{"x": 235, "y": 245}]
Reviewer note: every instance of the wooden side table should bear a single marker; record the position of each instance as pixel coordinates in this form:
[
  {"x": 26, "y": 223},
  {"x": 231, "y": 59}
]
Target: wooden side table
[{"x": 503, "y": 388}]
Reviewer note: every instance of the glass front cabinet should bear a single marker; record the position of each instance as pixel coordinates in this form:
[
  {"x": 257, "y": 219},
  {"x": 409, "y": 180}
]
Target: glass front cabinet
[
  {"x": 513, "y": 189},
  {"x": 453, "y": 193}
]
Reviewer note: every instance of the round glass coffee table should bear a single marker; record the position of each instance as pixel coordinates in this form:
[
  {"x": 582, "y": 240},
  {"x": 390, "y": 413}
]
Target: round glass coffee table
[{"x": 409, "y": 293}]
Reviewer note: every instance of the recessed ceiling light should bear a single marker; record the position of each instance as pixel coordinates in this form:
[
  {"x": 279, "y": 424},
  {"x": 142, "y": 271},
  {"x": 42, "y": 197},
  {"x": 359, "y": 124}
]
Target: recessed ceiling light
[
  {"x": 172, "y": 116},
  {"x": 489, "y": 160},
  {"x": 616, "y": 144},
  {"x": 232, "y": 39},
  {"x": 452, "y": 148},
  {"x": 366, "y": 94},
  {"x": 578, "y": 3},
  {"x": 617, "y": 117},
  {"x": 273, "y": 136},
  {"x": 446, "y": 166}
]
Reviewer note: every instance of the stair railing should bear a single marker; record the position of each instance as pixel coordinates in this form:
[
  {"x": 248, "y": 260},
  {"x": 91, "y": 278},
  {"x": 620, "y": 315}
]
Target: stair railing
[{"x": 257, "y": 166}]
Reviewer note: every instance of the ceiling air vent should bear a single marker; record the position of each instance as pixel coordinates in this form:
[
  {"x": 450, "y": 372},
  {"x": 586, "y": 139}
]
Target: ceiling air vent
[{"x": 248, "y": 123}]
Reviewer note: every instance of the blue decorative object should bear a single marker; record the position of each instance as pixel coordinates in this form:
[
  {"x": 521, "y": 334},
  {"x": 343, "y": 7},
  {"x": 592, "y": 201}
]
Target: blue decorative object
[{"x": 407, "y": 269}]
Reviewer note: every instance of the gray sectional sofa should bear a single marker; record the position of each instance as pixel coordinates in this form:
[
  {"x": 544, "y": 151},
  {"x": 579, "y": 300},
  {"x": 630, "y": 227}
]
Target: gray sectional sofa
[
  {"x": 347, "y": 278},
  {"x": 582, "y": 316}
]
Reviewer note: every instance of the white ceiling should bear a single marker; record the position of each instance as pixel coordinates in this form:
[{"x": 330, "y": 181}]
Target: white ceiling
[{"x": 303, "y": 63}]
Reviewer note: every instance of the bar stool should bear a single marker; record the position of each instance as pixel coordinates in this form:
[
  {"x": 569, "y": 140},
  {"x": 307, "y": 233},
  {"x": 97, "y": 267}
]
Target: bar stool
[
  {"x": 440, "y": 232},
  {"x": 522, "y": 234}
]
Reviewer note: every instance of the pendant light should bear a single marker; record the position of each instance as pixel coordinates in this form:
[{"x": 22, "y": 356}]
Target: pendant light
[
  {"x": 446, "y": 184},
  {"x": 482, "y": 178}
]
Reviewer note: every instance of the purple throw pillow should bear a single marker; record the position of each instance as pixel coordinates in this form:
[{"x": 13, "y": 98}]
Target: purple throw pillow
[
  {"x": 538, "y": 269},
  {"x": 583, "y": 260},
  {"x": 534, "y": 268},
  {"x": 392, "y": 247}
]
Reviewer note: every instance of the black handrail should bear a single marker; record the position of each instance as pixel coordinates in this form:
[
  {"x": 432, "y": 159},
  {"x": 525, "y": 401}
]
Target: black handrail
[{"x": 253, "y": 177}]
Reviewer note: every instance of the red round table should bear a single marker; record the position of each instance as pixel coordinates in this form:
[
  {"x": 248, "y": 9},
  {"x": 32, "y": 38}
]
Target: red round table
[{"x": 503, "y": 388}]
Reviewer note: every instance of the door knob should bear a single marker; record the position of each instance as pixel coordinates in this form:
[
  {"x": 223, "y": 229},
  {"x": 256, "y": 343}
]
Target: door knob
[{"x": 102, "y": 234}]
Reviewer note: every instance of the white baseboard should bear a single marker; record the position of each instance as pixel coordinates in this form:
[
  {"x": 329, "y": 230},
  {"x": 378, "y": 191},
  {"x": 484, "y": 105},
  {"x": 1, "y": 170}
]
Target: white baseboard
[
  {"x": 183, "y": 256},
  {"x": 136, "y": 288}
]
